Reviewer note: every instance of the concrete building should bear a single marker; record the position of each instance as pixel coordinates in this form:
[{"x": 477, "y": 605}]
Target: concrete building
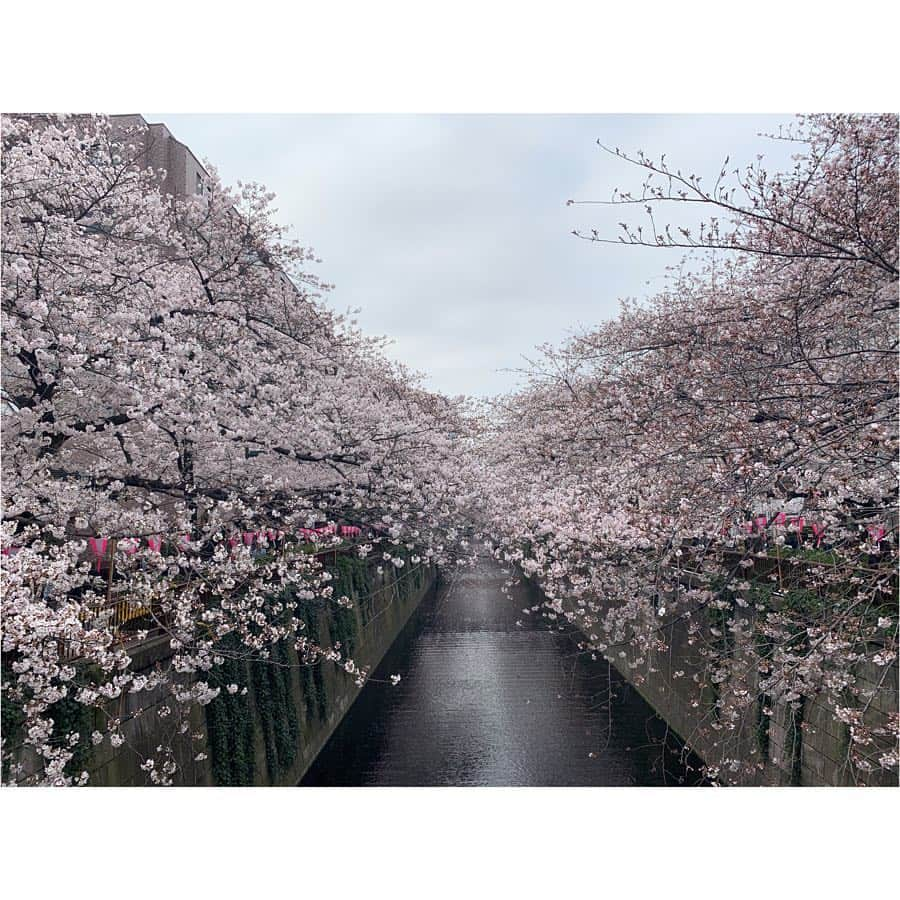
[{"x": 184, "y": 173}]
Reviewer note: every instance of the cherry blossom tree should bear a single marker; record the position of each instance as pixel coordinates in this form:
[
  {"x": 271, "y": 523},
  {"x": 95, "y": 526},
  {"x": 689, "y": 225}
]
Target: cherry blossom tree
[
  {"x": 183, "y": 415},
  {"x": 724, "y": 457}
]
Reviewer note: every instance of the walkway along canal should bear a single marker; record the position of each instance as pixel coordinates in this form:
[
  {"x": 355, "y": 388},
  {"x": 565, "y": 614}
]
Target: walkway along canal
[{"x": 490, "y": 697}]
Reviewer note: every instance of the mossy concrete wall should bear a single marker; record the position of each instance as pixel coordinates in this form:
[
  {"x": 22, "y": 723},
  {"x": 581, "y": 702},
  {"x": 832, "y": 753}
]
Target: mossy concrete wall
[
  {"x": 763, "y": 740},
  {"x": 775, "y": 743},
  {"x": 271, "y": 734}
]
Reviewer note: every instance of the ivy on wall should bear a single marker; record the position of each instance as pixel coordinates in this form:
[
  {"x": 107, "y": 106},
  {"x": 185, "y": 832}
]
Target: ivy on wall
[
  {"x": 343, "y": 627},
  {"x": 270, "y": 705},
  {"x": 11, "y": 718},
  {"x": 273, "y": 696},
  {"x": 312, "y": 679},
  {"x": 229, "y": 724},
  {"x": 353, "y": 579},
  {"x": 70, "y": 717}
]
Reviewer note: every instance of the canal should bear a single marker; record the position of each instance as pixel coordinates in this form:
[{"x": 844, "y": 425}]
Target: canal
[{"x": 489, "y": 697}]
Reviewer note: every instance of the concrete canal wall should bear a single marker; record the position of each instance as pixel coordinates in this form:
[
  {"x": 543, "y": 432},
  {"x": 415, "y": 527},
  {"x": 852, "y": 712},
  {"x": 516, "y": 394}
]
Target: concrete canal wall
[
  {"x": 270, "y": 734},
  {"x": 775, "y": 743}
]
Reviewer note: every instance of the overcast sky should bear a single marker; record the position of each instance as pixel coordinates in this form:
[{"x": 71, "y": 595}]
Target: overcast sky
[{"x": 452, "y": 232}]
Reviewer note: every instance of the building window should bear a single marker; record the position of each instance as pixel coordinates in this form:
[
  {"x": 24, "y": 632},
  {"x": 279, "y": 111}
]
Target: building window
[{"x": 199, "y": 188}]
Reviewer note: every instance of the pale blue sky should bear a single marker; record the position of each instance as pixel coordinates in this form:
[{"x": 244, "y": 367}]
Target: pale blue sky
[{"x": 452, "y": 233}]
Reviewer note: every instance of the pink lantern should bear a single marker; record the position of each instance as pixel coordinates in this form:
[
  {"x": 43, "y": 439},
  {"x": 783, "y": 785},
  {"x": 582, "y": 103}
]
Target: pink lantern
[
  {"x": 155, "y": 543},
  {"x": 98, "y": 548}
]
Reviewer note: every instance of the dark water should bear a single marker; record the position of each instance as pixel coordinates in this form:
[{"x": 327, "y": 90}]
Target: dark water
[{"x": 484, "y": 701}]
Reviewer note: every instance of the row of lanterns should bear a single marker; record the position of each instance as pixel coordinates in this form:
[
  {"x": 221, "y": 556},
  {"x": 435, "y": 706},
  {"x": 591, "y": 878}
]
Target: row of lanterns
[
  {"x": 876, "y": 532},
  {"x": 99, "y": 546}
]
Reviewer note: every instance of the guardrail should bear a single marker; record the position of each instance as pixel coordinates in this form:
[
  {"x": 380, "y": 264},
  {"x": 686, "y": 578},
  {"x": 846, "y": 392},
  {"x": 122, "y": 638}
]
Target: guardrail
[{"x": 120, "y": 614}]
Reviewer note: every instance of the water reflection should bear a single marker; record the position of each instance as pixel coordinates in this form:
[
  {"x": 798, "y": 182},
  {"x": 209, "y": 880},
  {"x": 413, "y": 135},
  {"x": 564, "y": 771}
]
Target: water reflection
[{"x": 484, "y": 701}]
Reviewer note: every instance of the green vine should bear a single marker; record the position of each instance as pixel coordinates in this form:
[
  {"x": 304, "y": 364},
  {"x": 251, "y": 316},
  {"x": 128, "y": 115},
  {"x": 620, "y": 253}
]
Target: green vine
[
  {"x": 274, "y": 699},
  {"x": 70, "y": 717},
  {"x": 229, "y": 724},
  {"x": 269, "y": 705}
]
